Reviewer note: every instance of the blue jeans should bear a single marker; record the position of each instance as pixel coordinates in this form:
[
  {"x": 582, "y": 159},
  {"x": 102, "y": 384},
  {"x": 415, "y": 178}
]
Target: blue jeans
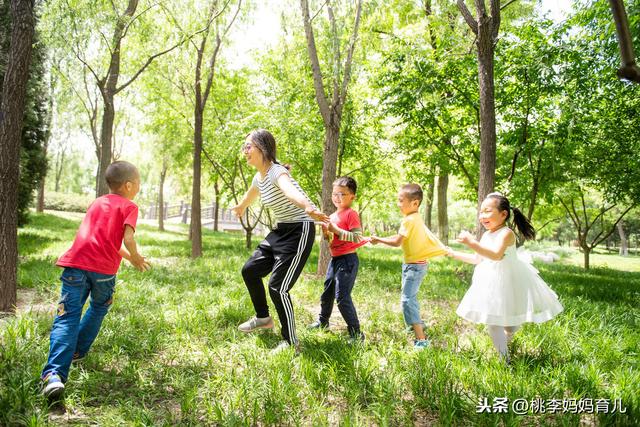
[
  {"x": 69, "y": 334},
  {"x": 412, "y": 275},
  {"x": 341, "y": 276}
]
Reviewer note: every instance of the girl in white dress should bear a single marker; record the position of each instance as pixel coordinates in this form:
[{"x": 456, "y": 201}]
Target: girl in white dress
[{"x": 505, "y": 291}]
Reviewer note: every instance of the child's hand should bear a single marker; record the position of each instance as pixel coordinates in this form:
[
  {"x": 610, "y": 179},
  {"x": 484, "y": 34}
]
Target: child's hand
[
  {"x": 374, "y": 240},
  {"x": 238, "y": 210},
  {"x": 139, "y": 262},
  {"x": 316, "y": 214},
  {"x": 465, "y": 237},
  {"x": 449, "y": 251},
  {"x": 325, "y": 232}
]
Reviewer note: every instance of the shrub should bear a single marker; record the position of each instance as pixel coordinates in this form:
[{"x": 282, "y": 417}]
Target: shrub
[{"x": 67, "y": 202}]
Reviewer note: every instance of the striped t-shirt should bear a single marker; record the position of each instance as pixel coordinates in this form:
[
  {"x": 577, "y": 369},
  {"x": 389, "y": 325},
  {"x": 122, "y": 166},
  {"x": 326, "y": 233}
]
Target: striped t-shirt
[{"x": 273, "y": 197}]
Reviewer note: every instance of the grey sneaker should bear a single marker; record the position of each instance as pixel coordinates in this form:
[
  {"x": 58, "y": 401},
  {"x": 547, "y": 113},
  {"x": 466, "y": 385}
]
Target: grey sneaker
[
  {"x": 256, "y": 323},
  {"x": 285, "y": 346}
]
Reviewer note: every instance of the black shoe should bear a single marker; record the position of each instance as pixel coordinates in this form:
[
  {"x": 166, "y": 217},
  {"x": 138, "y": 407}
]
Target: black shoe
[
  {"x": 356, "y": 337},
  {"x": 318, "y": 325}
]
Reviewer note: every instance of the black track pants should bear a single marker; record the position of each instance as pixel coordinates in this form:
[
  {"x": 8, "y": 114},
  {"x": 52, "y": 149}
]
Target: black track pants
[{"x": 283, "y": 253}]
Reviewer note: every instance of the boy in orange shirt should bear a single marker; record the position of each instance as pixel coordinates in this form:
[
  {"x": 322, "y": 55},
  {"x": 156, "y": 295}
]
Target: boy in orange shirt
[{"x": 418, "y": 246}]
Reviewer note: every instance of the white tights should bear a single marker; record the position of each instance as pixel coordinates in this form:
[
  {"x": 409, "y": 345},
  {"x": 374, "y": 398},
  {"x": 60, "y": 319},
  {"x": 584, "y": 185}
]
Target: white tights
[{"x": 501, "y": 337}]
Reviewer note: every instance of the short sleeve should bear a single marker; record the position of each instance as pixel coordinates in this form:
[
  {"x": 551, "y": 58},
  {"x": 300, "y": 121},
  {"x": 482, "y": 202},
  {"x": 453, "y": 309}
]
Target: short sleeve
[
  {"x": 131, "y": 216},
  {"x": 406, "y": 227},
  {"x": 254, "y": 181},
  {"x": 275, "y": 172},
  {"x": 353, "y": 220}
]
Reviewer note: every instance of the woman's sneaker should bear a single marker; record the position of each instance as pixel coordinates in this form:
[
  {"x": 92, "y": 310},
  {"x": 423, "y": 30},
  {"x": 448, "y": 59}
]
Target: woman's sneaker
[
  {"x": 285, "y": 346},
  {"x": 256, "y": 323},
  {"x": 52, "y": 386}
]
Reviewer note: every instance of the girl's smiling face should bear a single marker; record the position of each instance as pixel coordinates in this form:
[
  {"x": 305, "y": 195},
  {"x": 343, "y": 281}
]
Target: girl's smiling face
[{"x": 490, "y": 217}]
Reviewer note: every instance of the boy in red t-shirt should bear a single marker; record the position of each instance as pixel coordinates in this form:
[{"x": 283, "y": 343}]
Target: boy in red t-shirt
[
  {"x": 90, "y": 268},
  {"x": 345, "y": 232}
]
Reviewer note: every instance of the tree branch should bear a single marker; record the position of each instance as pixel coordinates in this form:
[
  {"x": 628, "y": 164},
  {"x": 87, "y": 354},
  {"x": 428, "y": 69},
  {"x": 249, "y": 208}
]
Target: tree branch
[
  {"x": 471, "y": 22},
  {"x": 321, "y": 96}
]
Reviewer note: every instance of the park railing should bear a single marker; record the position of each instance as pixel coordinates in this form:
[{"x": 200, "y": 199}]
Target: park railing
[{"x": 227, "y": 220}]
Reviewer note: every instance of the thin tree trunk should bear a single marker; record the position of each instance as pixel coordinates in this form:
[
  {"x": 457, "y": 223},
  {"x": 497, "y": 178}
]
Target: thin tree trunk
[
  {"x": 624, "y": 244},
  {"x": 59, "y": 166},
  {"x": 196, "y": 220},
  {"x": 443, "y": 215},
  {"x": 428, "y": 211},
  {"x": 40, "y": 199},
  {"x": 330, "y": 158},
  {"x": 586, "y": 252},
  {"x": 216, "y": 208},
  {"x": 163, "y": 175},
  {"x": 12, "y": 104},
  {"x": 247, "y": 237}
]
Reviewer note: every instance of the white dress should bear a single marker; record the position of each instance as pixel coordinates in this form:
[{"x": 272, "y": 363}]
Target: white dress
[{"x": 508, "y": 292}]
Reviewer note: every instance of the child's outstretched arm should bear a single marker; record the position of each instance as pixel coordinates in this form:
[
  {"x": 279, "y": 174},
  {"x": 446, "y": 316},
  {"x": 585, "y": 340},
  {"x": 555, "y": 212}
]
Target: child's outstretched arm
[
  {"x": 461, "y": 256},
  {"x": 495, "y": 254},
  {"x": 131, "y": 253},
  {"x": 354, "y": 235},
  {"x": 394, "y": 241}
]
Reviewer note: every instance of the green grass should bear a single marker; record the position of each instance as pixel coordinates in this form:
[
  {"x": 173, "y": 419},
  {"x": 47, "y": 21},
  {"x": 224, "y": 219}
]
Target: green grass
[{"x": 169, "y": 351}]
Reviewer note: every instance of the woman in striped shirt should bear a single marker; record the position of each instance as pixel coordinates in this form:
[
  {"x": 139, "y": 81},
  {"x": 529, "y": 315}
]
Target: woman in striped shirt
[{"x": 284, "y": 252}]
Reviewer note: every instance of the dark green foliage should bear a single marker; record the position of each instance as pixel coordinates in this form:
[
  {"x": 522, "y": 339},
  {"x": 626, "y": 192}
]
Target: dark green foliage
[{"x": 35, "y": 132}]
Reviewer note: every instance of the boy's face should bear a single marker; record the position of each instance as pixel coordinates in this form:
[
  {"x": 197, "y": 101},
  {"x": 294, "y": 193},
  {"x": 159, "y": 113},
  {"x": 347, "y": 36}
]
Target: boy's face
[
  {"x": 407, "y": 206},
  {"x": 131, "y": 188},
  {"x": 342, "y": 197}
]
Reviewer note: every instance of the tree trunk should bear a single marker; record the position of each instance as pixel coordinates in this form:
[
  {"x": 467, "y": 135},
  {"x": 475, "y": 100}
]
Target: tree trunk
[
  {"x": 428, "y": 211},
  {"x": 443, "y": 216},
  {"x": 106, "y": 135},
  {"x": 196, "y": 220},
  {"x": 329, "y": 164},
  {"x": 161, "y": 213},
  {"x": 586, "y": 251},
  {"x": 247, "y": 237},
  {"x": 40, "y": 200},
  {"x": 216, "y": 208},
  {"x": 487, "y": 123},
  {"x": 12, "y": 105},
  {"x": 59, "y": 166},
  {"x": 624, "y": 244}
]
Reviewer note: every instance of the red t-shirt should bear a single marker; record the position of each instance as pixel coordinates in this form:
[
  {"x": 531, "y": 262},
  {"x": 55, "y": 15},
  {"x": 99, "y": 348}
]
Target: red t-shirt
[
  {"x": 347, "y": 220},
  {"x": 99, "y": 238}
]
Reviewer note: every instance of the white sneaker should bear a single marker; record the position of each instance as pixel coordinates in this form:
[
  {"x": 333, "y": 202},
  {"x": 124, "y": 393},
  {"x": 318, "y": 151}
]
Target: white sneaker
[{"x": 256, "y": 323}]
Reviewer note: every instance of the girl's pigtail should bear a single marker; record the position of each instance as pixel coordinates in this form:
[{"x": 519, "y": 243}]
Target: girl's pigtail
[{"x": 523, "y": 225}]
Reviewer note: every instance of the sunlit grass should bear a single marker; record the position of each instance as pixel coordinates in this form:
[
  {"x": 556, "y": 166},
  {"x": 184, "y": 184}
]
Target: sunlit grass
[{"x": 170, "y": 353}]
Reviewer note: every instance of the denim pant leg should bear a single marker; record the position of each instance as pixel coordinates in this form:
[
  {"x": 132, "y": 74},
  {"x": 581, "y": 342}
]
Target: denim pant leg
[
  {"x": 345, "y": 278},
  {"x": 102, "y": 289},
  {"x": 412, "y": 275},
  {"x": 64, "y": 333},
  {"x": 327, "y": 297}
]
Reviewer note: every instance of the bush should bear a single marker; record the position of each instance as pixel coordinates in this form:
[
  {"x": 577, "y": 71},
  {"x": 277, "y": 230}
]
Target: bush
[{"x": 66, "y": 202}]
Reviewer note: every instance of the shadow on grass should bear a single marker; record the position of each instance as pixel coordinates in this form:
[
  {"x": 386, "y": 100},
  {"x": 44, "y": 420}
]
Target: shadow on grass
[{"x": 597, "y": 284}]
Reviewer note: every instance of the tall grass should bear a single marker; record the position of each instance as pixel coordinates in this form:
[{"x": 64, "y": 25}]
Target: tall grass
[{"x": 169, "y": 351}]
